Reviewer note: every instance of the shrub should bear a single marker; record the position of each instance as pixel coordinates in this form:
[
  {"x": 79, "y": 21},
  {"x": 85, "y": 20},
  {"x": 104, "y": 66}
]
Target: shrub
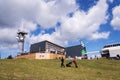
[{"x": 10, "y": 57}]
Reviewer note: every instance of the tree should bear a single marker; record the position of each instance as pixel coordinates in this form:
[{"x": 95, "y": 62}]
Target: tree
[{"x": 10, "y": 57}]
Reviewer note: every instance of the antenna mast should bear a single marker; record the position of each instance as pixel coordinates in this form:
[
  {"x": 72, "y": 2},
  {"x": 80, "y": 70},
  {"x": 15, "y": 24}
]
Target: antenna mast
[{"x": 21, "y": 38}]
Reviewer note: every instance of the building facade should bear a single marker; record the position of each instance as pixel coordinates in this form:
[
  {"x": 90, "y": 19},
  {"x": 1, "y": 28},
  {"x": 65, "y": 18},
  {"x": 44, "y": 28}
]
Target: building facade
[
  {"x": 45, "y": 50},
  {"x": 111, "y": 50},
  {"x": 73, "y": 51}
]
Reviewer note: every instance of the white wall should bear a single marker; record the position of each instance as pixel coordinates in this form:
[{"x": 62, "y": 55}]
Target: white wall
[
  {"x": 42, "y": 56},
  {"x": 114, "y": 51}
]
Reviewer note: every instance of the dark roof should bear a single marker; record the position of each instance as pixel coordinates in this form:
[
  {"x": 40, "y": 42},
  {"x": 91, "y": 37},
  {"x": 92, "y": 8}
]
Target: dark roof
[
  {"x": 111, "y": 45},
  {"x": 73, "y": 51},
  {"x": 54, "y": 43},
  {"x": 36, "y": 47}
]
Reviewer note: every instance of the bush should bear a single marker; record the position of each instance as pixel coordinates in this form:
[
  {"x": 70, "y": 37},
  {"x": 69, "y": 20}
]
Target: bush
[{"x": 10, "y": 57}]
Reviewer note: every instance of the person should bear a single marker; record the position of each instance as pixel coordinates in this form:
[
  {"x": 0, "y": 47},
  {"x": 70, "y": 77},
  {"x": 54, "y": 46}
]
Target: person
[
  {"x": 97, "y": 58},
  {"x": 69, "y": 64},
  {"x": 62, "y": 62},
  {"x": 74, "y": 61}
]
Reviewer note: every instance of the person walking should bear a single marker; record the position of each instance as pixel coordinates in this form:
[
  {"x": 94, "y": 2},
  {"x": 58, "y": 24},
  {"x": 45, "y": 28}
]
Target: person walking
[
  {"x": 74, "y": 61},
  {"x": 62, "y": 62}
]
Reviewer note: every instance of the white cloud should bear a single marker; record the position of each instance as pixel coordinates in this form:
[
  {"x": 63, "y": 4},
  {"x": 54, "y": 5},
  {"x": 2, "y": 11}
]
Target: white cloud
[
  {"x": 116, "y": 18},
  {"x": 52, "y": 12},
  {"x": 31, "y": 12},
  {"x": 7, "y": 34},
  {"x": 55, "y": 37},
  {"x": 7, "y": 38},
  {"x": 44, "y": 13},
  {"x": 47, "y": 13},
  {"x": 81, "y": 25},
  {"x": 103, "y": 35},
  {"x": 27, "y": 26}
]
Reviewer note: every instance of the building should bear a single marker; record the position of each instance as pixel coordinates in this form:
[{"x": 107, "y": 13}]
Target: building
[
  {"x": 44, "y": 50},
  {"x": 74, "y": 51},
  {"x": 94, "y": 54},
  {"x": 111, "y": 50}
]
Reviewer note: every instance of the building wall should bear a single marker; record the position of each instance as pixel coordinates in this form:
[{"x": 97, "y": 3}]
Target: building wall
[
  {"x": 59, "y": 56},
  {"x": 45, "y": 46},
  {"x": 41, "y": 56},
  {"x": 52, "y": 48},
  {"x": 74, "y": 51},
  {"x": 111, "y": 51},
  {"x": 49, "y": 56},
  {"x": 27, "y": 56},
  {"x": 40, "y": 46}
]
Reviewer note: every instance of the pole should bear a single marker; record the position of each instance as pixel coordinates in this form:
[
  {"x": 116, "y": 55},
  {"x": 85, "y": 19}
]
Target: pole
[
  {"x": 0, "y": 55},
  {"x": 23, "y": 46}
]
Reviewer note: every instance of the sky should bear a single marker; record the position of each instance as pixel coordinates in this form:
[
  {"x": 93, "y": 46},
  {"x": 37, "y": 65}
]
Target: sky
[{"x": 64, "y": 22}]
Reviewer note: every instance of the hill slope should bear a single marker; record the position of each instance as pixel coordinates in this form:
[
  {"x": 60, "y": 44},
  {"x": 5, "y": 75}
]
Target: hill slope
[{"x": 22, "y": 69}]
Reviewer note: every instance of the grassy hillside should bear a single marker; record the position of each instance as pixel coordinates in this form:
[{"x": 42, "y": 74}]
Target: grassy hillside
[{"x": 22, "y": 69}]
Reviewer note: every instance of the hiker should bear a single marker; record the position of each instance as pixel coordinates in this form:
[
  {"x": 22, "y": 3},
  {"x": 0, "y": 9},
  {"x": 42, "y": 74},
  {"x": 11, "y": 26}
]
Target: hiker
[
  {"x": 74, "y": 61},
  {"x": 62, "y": 62},
  {"x": 69, "y": 64}
]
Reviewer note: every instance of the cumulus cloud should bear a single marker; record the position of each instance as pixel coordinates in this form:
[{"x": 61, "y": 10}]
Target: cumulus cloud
[
  {"x": 116, "y": 18},
  {"x": 27, "y": 26},
  {"x": 27, "y": 14},
  {"x": 55, "y": 37},
  {"x": 44, "y": 13},
  {"x": 7, "y": 38},
  {"x": 103, "y": 35},
  {"x": 81, "y": 25}
]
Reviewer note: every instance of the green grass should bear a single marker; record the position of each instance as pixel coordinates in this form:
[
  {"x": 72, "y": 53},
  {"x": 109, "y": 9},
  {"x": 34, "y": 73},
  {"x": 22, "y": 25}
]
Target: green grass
[{"x": 23, "y": 69}]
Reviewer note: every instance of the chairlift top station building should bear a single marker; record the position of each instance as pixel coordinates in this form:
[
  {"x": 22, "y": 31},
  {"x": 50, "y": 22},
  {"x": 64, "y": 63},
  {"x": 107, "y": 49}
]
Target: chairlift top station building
[
  {"x": 49, "y": 50},
  {"x": 44, "y": 50}
]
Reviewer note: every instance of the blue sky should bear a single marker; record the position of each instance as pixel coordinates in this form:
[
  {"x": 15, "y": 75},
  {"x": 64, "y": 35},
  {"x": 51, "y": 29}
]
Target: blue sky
[{"x": 64, "y": 22}]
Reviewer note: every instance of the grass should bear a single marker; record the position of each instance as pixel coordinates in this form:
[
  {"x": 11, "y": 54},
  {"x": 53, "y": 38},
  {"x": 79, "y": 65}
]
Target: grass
[{"x": 23, "y": 69}]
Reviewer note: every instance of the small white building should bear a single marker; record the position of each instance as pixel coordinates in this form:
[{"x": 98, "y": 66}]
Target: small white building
[
  {"x": 111, "y": 50},
  {"x": 94, "y": 54}
]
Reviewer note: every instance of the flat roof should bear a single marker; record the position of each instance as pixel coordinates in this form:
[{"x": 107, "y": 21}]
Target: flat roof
[
  {"x": 48, "y": 42},
  {"x": 111, "y": 45}
]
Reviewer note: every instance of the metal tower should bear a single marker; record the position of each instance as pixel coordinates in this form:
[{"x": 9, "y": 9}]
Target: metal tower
[{"x": 21, "y": 38}]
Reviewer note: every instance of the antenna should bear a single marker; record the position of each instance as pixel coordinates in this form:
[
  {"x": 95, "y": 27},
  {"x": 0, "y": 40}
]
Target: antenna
[
  {"x": 81, "y": 43},
  {"x": 21, "y": 38}
]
